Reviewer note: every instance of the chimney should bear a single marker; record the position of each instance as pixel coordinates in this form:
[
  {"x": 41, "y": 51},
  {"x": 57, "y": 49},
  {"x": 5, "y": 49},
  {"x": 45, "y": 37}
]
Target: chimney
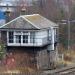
[{"x": 7, "y": 14}]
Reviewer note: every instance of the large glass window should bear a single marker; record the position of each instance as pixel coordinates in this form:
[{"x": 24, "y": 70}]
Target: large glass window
[
  {"x": 21, "y": 37},
  {"x": 11, "y": 37}
]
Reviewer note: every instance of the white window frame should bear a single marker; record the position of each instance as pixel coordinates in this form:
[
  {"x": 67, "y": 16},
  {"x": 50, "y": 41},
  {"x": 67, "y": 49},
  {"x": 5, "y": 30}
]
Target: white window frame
[
  {"x": 21, "y": 44},
  {"x": 9, "y": 38},
  {"x": 28, "y": 34},
  {"x": 16, "y": 34}
]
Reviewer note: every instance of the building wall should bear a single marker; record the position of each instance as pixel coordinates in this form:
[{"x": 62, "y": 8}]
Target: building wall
[
  {"x": 4, "y": 37},
  {"x": 41, "y": 36},
  {"x": 33, "y": 57},
  {"x": 30, "y": 57},
  {"x": 42, "y": 59}
]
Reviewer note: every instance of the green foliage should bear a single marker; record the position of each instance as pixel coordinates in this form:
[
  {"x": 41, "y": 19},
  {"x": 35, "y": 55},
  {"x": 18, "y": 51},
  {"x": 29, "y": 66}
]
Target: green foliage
[
  {"x": 2, "y": 51},
  {"x": 64, "y": 41},
  {"x": 62, "y": 14},
  {"x": 63, "y": 35}
]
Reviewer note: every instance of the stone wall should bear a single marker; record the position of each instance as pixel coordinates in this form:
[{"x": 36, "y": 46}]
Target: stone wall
[
  {"x": 42, "y": 59},
  {"x": 36, "y": 58}
]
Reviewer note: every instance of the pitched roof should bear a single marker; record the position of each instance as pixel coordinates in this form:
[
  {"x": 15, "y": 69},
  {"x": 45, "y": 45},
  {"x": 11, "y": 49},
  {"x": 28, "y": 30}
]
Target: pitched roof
[
  {"x": 40, "y": 21},
  {"x": 34, "y": 21},
  {"x": 18, "y": 23}
]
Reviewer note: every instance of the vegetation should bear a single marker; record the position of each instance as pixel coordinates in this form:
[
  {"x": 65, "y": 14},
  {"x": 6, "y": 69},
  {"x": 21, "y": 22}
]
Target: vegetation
[{"x": 2, "y": 51}]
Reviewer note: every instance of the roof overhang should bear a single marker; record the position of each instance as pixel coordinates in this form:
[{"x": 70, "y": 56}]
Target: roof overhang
[{"x": 12, "y": 29}]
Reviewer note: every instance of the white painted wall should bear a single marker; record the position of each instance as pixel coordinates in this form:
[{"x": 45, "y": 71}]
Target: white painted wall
[
  {"x": 52, "y": 41},
  {"x": 53, "y": 34},
  {"x": 40, "y": 35}
]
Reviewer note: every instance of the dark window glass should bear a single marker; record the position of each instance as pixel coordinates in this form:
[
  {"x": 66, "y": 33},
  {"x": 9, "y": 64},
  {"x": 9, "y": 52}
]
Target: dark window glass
[
  {"x": 25, "y": 38},
  {"x": 11, "y": 37},
  {"x": 18, "y": 38},
  {"x": 32, "y": 37}
]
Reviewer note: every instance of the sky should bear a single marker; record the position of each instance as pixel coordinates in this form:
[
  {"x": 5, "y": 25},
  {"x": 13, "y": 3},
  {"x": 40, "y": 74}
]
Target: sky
[
  {"x": 10, "y": 2},
  {"x": 2, "y": 16}
]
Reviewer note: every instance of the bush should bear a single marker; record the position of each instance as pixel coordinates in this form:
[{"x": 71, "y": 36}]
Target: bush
[{"x": 2, "y": 51}]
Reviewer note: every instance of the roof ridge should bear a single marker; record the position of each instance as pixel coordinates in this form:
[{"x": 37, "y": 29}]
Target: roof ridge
[{"x": 30, "y": 15}]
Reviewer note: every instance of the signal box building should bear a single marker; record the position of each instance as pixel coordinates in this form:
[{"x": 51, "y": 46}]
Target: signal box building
[{"x": 30, "y": 38}]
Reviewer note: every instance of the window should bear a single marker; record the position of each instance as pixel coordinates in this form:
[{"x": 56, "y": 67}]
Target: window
[
  {"x": 25, "y": 38},
  {"x": 18, "y": 32},
  {"x": 18, "y": 38},
  {"x": 11, "y": 37},
  {"x": 25, "y": 33},
  {"x": 32, "y": 37},
  {"x": 49, "y": 35},
  {"x": 55, "y": 35}
]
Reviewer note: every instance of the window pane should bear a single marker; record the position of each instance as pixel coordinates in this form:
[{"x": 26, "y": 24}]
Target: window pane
[
  {"x": 25, "y": 38},
  {"x": 18, "y": 32},
  {"x": 49, "y": 35},
  {"x": 32, "y": 37},
  {"x": 10, "y": 40},
  {"x": 11, "y": 37},
  {"x": 25, "y": 33},
  {"x": 18, "y": 38}
]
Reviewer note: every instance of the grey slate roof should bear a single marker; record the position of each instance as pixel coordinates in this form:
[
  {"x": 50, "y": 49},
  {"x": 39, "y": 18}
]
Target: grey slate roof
[
  {"x": 34, "y": 21},
  {"x": 40, "y": 21},
  {"x": 18, "y": 23}
]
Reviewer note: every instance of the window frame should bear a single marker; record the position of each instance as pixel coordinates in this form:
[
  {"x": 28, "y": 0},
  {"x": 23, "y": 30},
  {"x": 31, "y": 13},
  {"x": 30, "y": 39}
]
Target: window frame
[
  {"x": 11, "y": 37},
  {"x": 18, "y": 38},
  {"x": 32, "y": 37},
  {"x": 26, "y": 34}
]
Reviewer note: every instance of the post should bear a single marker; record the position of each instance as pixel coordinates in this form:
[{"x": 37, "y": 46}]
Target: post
[
  {"x": 7, "y": 14},
  {"x": 51, "y": 51},
  {"x": 68, "y": 34},
  {"x": 23, "y": 11},
  {"x": 52, "y": 30}
]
